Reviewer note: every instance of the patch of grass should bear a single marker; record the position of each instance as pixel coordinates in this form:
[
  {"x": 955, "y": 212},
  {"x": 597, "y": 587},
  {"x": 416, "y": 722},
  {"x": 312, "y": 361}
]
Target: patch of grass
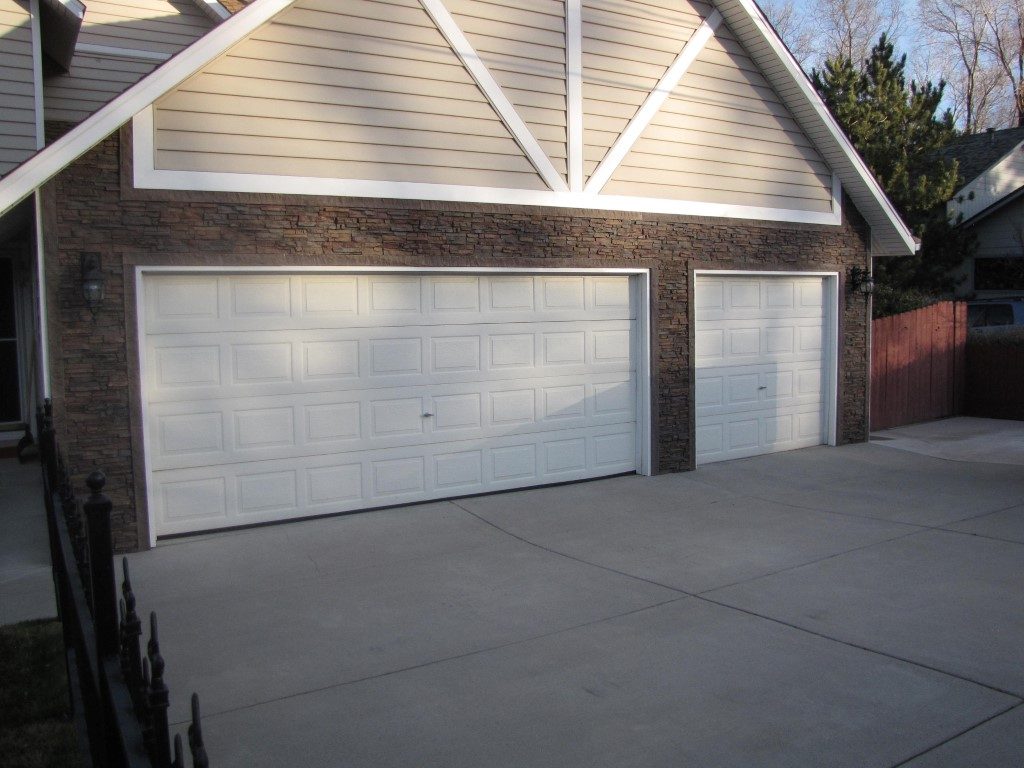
[{"x": 34, "y": 697}]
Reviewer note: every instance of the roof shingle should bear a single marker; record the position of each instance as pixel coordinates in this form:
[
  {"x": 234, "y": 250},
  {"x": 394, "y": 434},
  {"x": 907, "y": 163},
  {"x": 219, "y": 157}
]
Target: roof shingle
[{"x": 978, "y": 152}]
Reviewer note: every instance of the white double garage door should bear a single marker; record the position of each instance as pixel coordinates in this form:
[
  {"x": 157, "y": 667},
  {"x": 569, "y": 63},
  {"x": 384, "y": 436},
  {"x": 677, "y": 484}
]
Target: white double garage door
[{"x": 270, "y": 396}]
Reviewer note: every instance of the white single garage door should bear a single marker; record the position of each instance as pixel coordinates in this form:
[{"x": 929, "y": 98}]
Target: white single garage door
[
  {"x": 763, "y": 358},
  {"x": 270, "y": 396}
]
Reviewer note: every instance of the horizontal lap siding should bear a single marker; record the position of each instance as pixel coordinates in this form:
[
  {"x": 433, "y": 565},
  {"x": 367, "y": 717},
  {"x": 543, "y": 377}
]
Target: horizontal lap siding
[
  {"x": 154, "y": 26},
  {"x": 627, "y": 47},
  {"x": 1002, "y": 233},
  {"x": 372, "y": 93},
  {"x": 17, "y": 103},
  {"x": 522, "y": 43},
  {"x": 725, "y": 137}
]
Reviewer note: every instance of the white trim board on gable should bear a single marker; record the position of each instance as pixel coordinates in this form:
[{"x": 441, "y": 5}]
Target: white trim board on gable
[
  {"x": 750, "y": 32},
  {"x": 146, "y": 177}
]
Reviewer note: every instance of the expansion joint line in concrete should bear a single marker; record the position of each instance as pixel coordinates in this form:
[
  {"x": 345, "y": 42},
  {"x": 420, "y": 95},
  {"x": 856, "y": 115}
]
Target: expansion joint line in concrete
[
  {"x": 957, "y": 735},
  {"x": 568, "y": 556},
  {"x": 921, "y": 528},
  {"x": 433, "y": 662},
  {"x": 703, "y": 597}
]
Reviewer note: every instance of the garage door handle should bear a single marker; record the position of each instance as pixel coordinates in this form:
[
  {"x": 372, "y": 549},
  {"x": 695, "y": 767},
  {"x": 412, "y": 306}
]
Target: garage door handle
[
  {"x": 427, "y": 415},
  {"x": 763, "y": 387}
]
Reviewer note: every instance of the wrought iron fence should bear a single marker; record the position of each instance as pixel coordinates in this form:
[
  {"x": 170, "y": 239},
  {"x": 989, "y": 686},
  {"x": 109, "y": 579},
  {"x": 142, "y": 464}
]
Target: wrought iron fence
[{"x": 115, "y": 689}]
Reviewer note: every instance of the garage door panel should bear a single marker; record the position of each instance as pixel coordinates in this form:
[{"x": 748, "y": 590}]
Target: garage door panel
[
  {"x": 759, "y": 406},
  {"x": 188, "y": 434},
  {"x": 751, "y": 433},
  {"x": 748, "y": 343},
  {"x": 260, "y": 491},
  {"x": 189, "y": 367},
  {"x": 732, "y": 298},
  {"x": 760, "y": 359},
  {"x": 197, "y": 303},
  {"x": 744, "y": 314},
  {"x": 757, "y": 387}
]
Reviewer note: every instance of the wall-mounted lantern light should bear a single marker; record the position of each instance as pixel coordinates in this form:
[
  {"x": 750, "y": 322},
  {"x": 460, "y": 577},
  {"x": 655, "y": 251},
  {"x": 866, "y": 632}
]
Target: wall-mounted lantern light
[
  {"x": 861, "y": 281},
  {"x": 92, "y": 280}
]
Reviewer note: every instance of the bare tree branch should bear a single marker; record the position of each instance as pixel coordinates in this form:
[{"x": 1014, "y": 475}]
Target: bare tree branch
[
  {"x": 850, "y": 28},
  {"x": 792, "y": 27},
  {"x": 957, "y": 31}
]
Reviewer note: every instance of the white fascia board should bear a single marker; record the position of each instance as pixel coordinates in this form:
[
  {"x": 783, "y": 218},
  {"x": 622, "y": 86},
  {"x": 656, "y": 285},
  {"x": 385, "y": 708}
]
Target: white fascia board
[
  {"x": 36, "y": 171},
  {"x": 148, "y": 177},
  {"x": 213, "y": 10},
  {"x": 743, "y": 16},
  {"x": 1003, "y": 178}
]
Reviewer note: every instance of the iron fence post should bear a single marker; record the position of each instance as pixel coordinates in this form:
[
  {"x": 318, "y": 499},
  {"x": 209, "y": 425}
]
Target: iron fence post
[
  {"x": 158, "y": 700},
  {"x": 101, "y": 566},
  {"x": 48, "y": 451}
]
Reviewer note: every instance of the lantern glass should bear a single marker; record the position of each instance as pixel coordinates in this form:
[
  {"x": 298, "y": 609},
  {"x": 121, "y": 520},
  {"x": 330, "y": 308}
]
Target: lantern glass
[{"x": 92, "y": 280}]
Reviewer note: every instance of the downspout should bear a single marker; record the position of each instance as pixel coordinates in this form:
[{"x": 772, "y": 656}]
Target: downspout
[
  {"x": 37, "y": 79},
  {"x": 869, "y": 335},
  {"x": 44, "y": 340}
]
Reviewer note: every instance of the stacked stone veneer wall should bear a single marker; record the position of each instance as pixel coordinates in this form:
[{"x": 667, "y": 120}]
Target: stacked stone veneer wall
[{"x": 92, "y": 207}]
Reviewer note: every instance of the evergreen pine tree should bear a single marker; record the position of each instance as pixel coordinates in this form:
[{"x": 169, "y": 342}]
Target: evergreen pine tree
[{"x": 895, "y": 129}]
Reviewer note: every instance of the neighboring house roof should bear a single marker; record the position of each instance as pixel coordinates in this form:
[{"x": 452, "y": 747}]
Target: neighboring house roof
[
  {"x": 977, "y": 152},
  {"x": 993, "y": 166},
  {"x": 890, "y": 236}
]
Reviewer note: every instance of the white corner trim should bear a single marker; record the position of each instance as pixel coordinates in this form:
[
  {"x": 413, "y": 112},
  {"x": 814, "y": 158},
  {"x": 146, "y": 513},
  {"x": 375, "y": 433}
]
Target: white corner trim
[
  {"x": 143, "y": 152},
  {"x": 495, "y": 95},
  {"x": 121, "y": 53},
  {"x": 214, "y": 10},
  {"x": 20, "y": 183},
  {"x": 44, "y": 332},
  {"x": 837, "y": 197},
  {"x": 655, "y": 99},
  {"x": 803, "y": 83},
  {"x": 574, "y": 91},
  {"x": 148, "y": 177},
  {"x": 38, "y": 98}
]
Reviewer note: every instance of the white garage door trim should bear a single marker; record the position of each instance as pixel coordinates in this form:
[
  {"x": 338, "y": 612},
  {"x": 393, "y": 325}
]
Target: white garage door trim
[
  {"x": 831, "y": 318},
  {"x": 640, "y": 284}
]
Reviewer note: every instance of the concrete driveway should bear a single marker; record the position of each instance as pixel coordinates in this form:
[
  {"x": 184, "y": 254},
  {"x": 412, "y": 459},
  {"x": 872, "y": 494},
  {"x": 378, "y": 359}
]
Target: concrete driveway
[{"x": 859, "y": 606}]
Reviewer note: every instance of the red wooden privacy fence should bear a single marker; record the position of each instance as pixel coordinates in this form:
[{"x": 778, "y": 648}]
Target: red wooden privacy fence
[
  {"x": 918, "y": 363},
  {"x": 995, "y": 375}
]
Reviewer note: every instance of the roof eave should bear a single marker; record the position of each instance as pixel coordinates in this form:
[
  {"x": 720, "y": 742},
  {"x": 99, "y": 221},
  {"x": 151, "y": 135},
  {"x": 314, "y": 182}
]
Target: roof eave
[{"x": 745, "y": 19}]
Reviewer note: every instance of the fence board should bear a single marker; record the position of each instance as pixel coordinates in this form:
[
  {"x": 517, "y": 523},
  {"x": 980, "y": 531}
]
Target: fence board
[
  {"x": 959, "y": 373},
  {"x": 918, "y": 363},
  {"x": 995, "y": 376}
]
